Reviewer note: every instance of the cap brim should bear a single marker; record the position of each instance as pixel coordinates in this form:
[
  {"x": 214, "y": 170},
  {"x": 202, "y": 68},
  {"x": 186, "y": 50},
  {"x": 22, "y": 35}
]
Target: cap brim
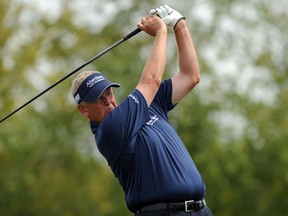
[{"x": 96, "y": 91}]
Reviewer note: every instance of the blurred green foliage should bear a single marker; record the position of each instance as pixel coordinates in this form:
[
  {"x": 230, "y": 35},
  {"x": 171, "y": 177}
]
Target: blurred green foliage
[{"x": 235, "y": 123}]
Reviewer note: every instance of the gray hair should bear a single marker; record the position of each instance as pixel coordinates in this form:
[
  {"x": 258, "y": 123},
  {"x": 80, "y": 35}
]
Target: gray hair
[{"x": 79, "y": 79}]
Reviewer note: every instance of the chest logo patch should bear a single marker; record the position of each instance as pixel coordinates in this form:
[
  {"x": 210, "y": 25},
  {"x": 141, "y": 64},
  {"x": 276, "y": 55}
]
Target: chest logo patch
[{"x": 152, "y": 120}]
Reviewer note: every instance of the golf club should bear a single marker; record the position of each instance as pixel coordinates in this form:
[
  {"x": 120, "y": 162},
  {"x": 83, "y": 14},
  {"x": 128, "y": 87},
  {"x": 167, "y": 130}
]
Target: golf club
[{"x": 131, "y": 34}]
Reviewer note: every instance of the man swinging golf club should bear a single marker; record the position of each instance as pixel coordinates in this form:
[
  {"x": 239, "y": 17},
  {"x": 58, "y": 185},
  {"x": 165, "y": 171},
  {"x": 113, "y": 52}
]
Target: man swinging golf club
[{"x": 142, "y": 148}]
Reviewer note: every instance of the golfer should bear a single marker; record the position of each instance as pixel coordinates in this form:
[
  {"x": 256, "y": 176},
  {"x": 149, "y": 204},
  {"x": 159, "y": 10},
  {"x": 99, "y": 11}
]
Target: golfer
[{"x": 142, "y": 148}]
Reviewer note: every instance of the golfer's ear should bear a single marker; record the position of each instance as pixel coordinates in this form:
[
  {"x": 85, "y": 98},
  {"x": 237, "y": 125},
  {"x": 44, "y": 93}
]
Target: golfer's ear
[{"x": 83, "y": 110}]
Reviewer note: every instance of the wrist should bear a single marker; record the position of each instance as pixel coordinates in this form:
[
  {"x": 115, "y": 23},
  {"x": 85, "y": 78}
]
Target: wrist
[
  {"x": 162, "y": 30},
  {"x": 181, "y": 23}
]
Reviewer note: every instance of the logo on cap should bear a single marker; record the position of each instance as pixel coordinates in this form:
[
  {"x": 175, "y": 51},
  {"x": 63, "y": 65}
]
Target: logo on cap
[{"x": 94, "y": 80}]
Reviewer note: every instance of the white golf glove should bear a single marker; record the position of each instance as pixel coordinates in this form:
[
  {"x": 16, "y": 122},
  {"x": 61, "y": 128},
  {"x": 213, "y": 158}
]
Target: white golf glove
[{"x": 168, "y": 15}]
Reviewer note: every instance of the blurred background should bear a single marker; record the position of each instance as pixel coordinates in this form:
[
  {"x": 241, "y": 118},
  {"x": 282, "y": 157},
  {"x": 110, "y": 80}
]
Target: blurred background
[{"x": 234, "y": 123}]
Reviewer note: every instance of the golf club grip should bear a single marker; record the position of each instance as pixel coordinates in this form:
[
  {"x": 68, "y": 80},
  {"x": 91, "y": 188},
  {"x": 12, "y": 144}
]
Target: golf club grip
[{"x": 131, "y": 34}]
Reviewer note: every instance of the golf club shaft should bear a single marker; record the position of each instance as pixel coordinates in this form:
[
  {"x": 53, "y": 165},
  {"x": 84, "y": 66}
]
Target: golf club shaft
[{"x": 131, "y": 34}]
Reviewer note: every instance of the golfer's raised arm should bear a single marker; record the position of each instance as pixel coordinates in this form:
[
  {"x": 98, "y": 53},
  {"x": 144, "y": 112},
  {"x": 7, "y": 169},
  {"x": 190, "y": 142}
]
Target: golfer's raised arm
[
  {"x": 189, "y": 75},
  {"x": 154, "y": 68}
]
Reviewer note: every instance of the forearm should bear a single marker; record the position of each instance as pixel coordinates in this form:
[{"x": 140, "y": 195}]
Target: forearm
[
  {"x": 155, "y": 65},
  {"x": 188, "y": 62},
  {"x": 154, "y": 68}
]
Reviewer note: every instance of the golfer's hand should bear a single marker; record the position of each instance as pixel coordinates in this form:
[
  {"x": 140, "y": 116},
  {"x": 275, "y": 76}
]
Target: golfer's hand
[
  {"x": 168, "y": 15},
  {"x": 152, "y": 24}
]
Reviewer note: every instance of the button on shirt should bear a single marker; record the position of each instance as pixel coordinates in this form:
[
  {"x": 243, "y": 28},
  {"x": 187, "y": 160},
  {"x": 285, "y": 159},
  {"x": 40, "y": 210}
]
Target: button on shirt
[{"x": 145, "y": 152}]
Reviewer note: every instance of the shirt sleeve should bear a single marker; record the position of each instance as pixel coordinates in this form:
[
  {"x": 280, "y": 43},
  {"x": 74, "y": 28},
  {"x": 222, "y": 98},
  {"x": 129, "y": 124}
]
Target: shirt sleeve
[{"x": 163, "y": 98}]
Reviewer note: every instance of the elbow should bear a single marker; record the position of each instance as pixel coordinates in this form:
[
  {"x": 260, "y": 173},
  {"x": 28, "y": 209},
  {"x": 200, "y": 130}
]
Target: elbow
[
  {"x": 155, "y": 82},
  {"x": 194, "y": 80},
  {"x": 197, "y": 79},
  {"x": 152, "y": 83}
]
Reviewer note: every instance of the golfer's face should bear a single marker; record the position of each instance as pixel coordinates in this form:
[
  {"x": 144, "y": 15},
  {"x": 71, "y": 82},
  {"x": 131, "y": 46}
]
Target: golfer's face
[{"x": 98, "y": 110}]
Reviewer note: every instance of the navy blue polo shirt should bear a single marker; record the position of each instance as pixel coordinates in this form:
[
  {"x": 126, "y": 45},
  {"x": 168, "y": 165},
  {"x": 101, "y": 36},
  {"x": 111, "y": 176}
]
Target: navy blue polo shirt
[{"x": 145, "y": 152}]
